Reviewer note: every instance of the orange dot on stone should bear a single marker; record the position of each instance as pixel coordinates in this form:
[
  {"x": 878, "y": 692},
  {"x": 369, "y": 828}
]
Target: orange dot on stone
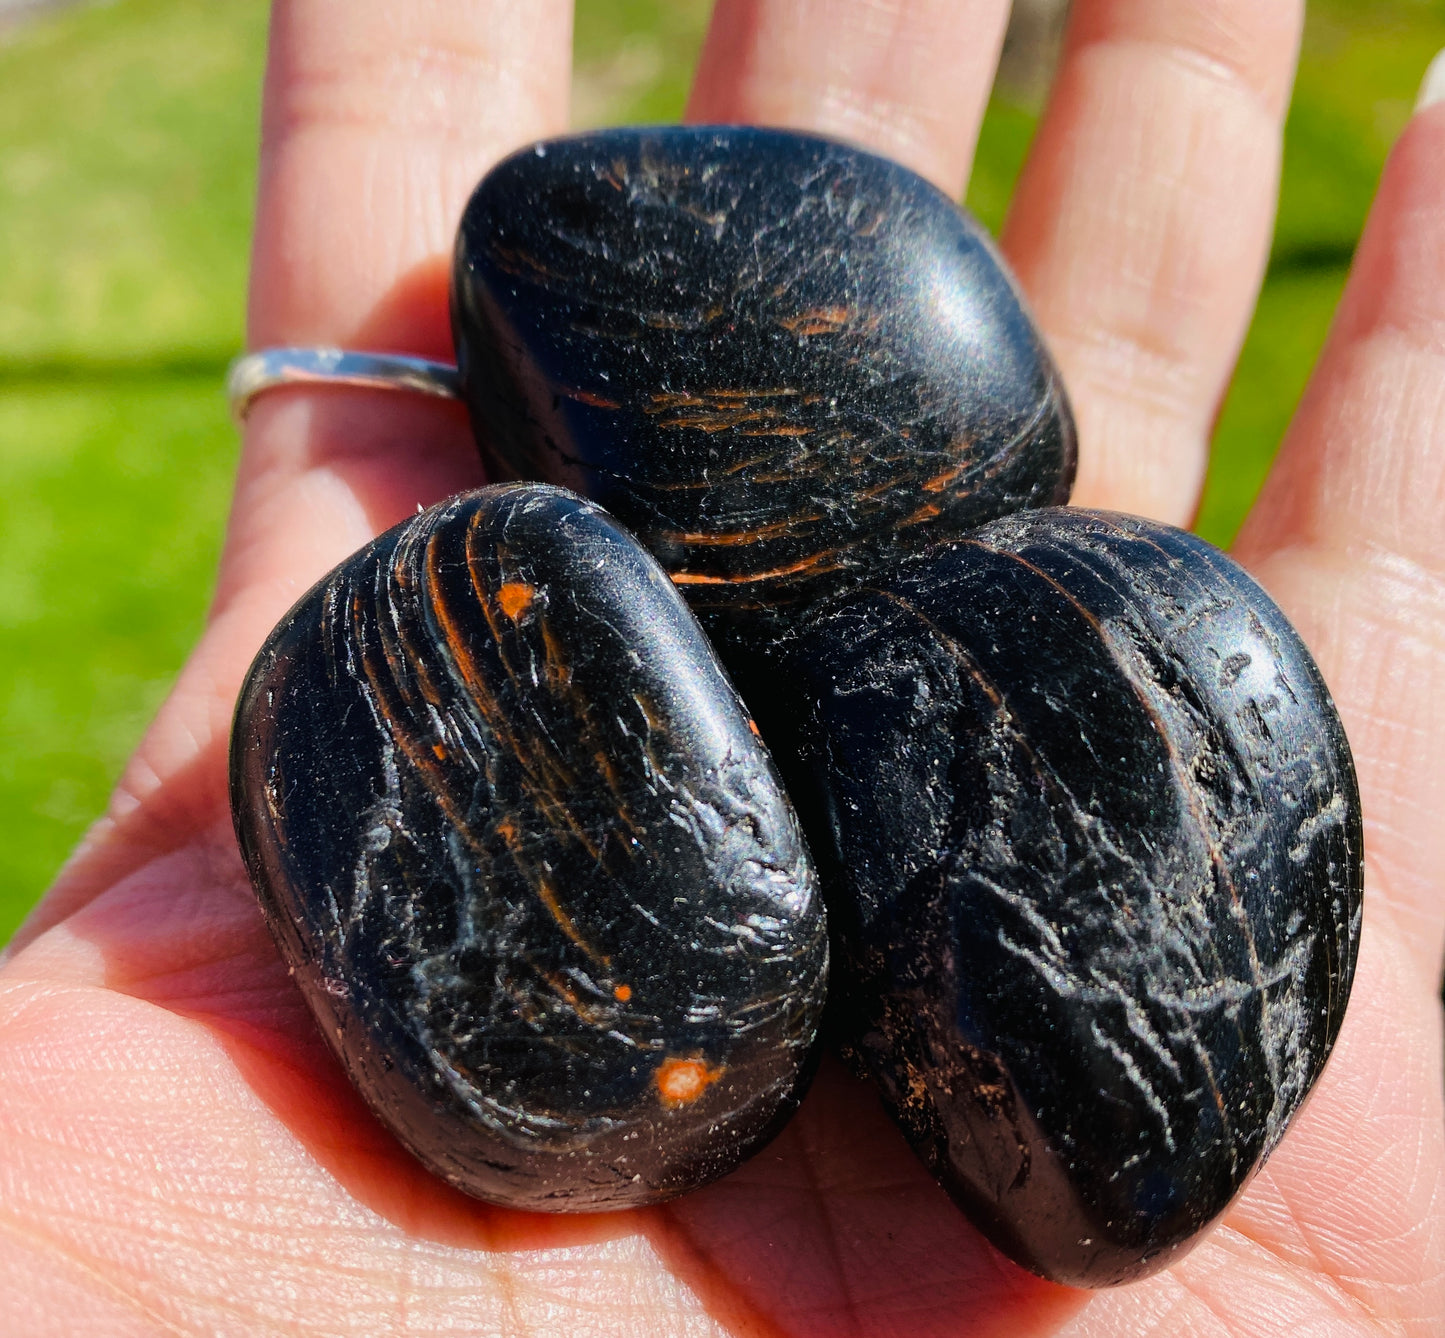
[
  {"x": 622, "y": 993},
  {"x": 681, "y": 1081}
]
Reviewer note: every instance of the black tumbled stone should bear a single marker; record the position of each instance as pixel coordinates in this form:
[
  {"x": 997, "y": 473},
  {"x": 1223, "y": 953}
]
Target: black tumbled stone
[
  {"x": 528, "y": 860},
  {"x": 1090, "y": 834},
  {"x": 777, "y": 359}
]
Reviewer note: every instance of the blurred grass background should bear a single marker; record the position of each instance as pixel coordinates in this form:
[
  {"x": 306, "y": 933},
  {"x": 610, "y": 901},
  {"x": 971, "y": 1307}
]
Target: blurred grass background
[{"x": 127, "y": 164}]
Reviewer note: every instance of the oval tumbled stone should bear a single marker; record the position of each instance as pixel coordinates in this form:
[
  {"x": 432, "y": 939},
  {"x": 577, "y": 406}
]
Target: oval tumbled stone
[
  {"x": 774, "y": 357},
  {"x": 1091, "y": 837},
  {"x": 528, "y": 859}
]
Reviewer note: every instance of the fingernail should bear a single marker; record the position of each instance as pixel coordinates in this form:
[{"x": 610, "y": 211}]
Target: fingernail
[{"x": 1432, "y": 90}]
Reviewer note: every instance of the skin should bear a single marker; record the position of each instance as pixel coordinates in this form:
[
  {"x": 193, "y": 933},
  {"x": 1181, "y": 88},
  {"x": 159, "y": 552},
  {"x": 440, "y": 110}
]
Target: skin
[{"x": 178, "y": 1152}]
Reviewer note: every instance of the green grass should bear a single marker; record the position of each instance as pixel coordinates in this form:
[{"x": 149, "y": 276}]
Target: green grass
[
  {"x": 127, "y": 170},
  {"x": 126, "y": 180},
  {"x": 109, "y": 531},
  {"x": 127, "y": 165}
]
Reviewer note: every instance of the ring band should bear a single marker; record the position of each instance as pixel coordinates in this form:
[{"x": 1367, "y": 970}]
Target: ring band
[{"x": 255, "y": 373}]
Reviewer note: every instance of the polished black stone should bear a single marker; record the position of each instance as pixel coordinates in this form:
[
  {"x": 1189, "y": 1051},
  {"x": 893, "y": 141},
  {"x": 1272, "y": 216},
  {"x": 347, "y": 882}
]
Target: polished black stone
[
  {"x": 777, "y": 359},
  {"x": 1090, "y": 835},
  {"x": 528, "y": 859}
]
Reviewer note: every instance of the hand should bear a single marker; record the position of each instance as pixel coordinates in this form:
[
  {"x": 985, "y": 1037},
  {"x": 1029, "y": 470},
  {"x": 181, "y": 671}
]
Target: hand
[{"x": 178, "y": 1151}]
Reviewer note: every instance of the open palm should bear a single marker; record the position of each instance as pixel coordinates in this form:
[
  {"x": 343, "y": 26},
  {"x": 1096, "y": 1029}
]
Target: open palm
[{"x": 178, "y": 1151}]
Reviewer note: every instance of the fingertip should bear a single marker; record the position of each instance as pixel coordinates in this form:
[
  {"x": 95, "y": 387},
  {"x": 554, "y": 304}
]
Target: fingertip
[
  {"x": 1432, "y": 87},
  {"x": 909, "y": 80},
  {"x": 1397, "y": 281}
]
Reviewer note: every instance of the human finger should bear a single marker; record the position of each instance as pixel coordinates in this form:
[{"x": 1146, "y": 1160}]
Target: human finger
[
  {"x": 906, "y": 78},
  {"x": 378, "y": 120},
  {"x": 1141, "y": 227},
  {"x": 1347, "y": 533}
]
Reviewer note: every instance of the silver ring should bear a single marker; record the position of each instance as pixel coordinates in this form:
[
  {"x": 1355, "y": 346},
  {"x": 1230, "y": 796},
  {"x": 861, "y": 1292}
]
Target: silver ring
[{"x": 255, "y": 373}]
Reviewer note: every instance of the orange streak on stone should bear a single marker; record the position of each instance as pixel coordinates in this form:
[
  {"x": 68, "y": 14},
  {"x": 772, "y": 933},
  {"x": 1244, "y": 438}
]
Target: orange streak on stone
[
  {"x": 823, "y": 320},
  {"x": 588, "y": 397},
  {"x": 944, "y": 480},
  {"x": 734, "y": 538},
  {"x": 803, "y": 564},
  {"x": 918, "y": 517},
  {"x": 548, "y": 897}
]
